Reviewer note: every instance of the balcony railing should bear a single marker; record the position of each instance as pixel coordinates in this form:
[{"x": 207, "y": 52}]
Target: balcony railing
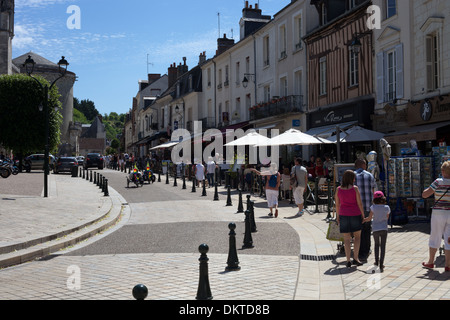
[{"x": 277, "y": 107}]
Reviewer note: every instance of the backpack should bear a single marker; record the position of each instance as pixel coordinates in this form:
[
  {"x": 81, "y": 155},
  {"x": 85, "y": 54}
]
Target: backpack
[{"x": 273, "y": 181}]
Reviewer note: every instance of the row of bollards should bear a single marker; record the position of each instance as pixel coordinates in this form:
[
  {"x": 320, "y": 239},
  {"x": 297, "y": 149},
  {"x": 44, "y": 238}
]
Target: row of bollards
[
  {"x": 96, "y": 178},
  {"x": 140, "y": 291}
]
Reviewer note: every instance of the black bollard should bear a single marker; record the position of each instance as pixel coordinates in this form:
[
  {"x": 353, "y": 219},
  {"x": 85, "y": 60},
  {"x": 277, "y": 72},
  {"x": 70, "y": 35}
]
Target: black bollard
[
  {"x": 81, "y": 173},
  {"x": 240, "y": 205},
  {"x": 84, "y": 176},
  {"x": 193, "y": 184},
  {"x": 159, "y": 176},
  {"x": 229, "y": 203},
  {"x": 248, "y": 241},
  {"x": 95, "y": 178},
  {"x": 175, "y": 184},
  {"x": 106, "y": 188},
  {"x": 90, "y": 176},
  {"x": 216, "y": 192},
  {"x": 140, "y": 292},
  {"x": 233, "y": 261},
  {"x": 184, "y": 182},
  {"x": 204, "y": 290},
  {"x": 100, "y": 182},
  {"x": 204, "y": 189},
  {"x": 252, "y": 217},
  {"x": 167, "y": 176}
]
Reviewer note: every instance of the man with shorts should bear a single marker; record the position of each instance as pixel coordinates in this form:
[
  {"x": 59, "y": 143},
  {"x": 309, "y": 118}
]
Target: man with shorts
[{"x": 299, "y": 188}]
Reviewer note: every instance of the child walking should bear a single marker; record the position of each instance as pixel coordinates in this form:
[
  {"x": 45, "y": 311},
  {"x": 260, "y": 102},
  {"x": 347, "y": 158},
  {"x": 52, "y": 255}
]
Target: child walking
[{"x": 379, "y": 214}]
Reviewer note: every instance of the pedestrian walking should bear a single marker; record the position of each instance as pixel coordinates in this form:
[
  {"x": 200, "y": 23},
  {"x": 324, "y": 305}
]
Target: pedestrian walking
[
  {"x": 273, "y": 181},
  {"x": 350, "y": 215},
  {"x": 379, "y": 215},
  {"x": 367, "y": 185},
  {"x": 210, "y": 171},
  {"x": 299, "y": 175},
  {"x": 440, "y": 218},
  {"x": 199, "y": 172}
]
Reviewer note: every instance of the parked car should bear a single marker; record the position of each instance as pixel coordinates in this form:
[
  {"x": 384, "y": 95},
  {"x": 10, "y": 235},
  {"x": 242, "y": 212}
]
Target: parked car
[
  {"x": 65, "y": 164},
  {"x": 94, "y": 160},
  {"x": 37, "y": 161},
  {"x": 80, "y": 160}
]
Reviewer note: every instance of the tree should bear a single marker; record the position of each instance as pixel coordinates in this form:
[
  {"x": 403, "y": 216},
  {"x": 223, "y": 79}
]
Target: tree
[
  {"x": 87, "y": 107},
  {"x": 22, "y": 125}
]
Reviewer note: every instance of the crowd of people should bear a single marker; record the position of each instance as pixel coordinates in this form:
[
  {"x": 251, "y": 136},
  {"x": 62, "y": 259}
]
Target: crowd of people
[{"x": 361, "y": 210}]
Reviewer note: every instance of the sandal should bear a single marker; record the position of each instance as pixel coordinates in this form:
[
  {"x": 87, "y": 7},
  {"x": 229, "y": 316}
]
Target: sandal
[{"x": 428, "y": 265}]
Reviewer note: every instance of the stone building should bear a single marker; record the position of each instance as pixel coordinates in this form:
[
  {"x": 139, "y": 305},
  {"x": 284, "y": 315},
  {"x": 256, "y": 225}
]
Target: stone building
[{"x": 70, "y": 132}]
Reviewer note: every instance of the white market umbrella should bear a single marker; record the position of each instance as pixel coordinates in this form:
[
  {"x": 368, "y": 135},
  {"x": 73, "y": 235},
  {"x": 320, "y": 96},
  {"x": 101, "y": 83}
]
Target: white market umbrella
[
  {"x": 251, "y": 139},
  {"x": 165, "y": 145},
  {"x": 358, "y": 134},
  {"x": 294, "y": 137}
]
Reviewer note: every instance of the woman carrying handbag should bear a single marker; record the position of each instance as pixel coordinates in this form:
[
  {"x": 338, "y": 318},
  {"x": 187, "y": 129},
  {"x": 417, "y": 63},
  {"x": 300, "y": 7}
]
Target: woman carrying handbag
[{"x": 350, "y": 215}]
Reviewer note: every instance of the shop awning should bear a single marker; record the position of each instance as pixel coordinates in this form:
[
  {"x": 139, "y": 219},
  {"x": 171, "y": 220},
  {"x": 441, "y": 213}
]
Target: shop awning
[
  {"x": 358, "y": 134},
  {"x": 328, "y": 131},
  {"x": 418, "y": 133}
]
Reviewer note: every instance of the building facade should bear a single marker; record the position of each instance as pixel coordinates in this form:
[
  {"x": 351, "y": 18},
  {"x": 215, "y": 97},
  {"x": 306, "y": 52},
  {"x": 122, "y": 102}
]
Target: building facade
[{"x": 340, "y": 75}]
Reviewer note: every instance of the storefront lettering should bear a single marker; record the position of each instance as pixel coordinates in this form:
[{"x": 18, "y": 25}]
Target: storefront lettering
[{"x": 331, "y": 117}]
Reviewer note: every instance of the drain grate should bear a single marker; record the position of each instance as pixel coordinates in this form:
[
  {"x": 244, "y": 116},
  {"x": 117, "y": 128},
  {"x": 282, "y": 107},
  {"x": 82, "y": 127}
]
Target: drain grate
[{"x": 317, "y": 258}]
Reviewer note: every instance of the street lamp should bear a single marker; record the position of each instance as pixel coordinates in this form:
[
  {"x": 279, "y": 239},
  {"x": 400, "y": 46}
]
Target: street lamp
[
  {"x": 356, "y": 45},
  {"x": 247, "y": 76},
  {"x": 62, "y": 68}
]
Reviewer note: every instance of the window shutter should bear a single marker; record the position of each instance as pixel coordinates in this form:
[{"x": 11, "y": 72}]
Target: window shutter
[
  {"x": 380, "y": 77},
  {"x": 429, "y": 63},
  {"x": 400, "y": 73}
]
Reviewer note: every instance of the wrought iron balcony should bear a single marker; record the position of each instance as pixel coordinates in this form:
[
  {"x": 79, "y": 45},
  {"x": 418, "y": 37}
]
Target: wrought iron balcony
[{"x": 277, "y": 107}]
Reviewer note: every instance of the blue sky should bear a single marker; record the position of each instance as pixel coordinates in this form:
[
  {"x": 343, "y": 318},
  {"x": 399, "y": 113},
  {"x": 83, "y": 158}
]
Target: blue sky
[{"x": 110, "y": 50}]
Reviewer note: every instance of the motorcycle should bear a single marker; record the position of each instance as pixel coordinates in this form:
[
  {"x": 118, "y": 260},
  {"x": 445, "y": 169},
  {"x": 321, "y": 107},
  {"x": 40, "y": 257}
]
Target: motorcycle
[
  {"x": 136, "y": 178},
  {"x": 148, "y": 175},
  {"x": 13, "y": 166},
  {"x": 5, "y": 169}
]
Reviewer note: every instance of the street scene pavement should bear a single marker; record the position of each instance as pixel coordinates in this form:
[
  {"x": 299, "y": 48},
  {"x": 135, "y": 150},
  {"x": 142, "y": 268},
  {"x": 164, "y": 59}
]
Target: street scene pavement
[{"x": 80, "y": 244}]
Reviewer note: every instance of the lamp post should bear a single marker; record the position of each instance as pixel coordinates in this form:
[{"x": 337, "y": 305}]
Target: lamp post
[{"x": 29, "y": 67}]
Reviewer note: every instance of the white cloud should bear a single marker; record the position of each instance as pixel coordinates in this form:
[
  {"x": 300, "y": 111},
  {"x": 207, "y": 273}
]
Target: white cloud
[{"x": 38, "y": 3}]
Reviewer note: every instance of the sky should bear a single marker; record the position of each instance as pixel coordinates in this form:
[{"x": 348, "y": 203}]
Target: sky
[{"x": 108, "y": 42}]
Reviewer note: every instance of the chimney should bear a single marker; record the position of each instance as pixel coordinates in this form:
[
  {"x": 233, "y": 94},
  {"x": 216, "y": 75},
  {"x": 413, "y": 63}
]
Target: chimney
[
  {"x": 152, "y": 77},
  {"x": 223, "y": 44},
  {"x": 252, "y": 19},
  {"x": 172, "y": 73},
  {"x": 182, "y": 68},
  {"x": 202, "y": 58}
]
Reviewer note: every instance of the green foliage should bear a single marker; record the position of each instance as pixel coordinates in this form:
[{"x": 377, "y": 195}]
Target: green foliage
[
  {"x": 87, "y": 107},
  {"x": 22, "y": 125},
  {"x": 85, "y": 112},
  {"x": 78, "y": 116}
]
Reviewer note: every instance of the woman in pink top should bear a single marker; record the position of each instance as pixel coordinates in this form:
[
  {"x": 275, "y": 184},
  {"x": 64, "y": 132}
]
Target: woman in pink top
[{"x": 350, "y": 215}]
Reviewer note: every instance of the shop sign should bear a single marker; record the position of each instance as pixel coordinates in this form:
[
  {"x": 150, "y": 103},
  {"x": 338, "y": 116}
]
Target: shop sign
[
  {"x": 331, "y": 117},
  {"x": 428, "y": 111}
]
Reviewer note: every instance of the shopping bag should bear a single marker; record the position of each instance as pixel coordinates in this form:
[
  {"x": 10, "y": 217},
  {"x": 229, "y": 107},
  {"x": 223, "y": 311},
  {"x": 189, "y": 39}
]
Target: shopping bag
[{"x": 334, "y": 232}]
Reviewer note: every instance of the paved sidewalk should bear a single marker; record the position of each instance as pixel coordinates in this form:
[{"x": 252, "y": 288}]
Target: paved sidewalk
[
  {"x": 32, "y": 226},
  {"x": 319, "y": 273}
]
